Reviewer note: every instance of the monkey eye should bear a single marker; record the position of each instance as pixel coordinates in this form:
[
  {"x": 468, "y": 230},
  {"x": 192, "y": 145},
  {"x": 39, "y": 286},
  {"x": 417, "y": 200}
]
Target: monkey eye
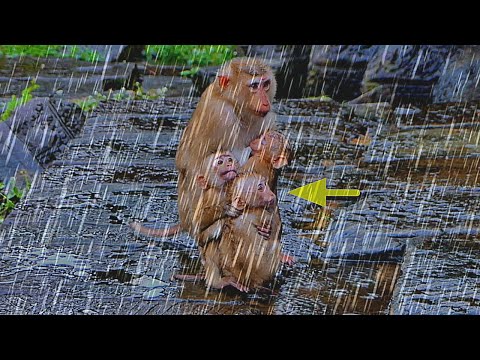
[
  {"x": 261, "y": 187},
  {"x": 219, "y": 162},
  {"x": 230, "y": 160},
  {"x": 254, "y": 86},
  {"x": 266, "y": 85}
]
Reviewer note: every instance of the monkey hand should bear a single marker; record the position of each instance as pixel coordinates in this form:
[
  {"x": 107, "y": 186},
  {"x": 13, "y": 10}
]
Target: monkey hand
[
  {"x": 264, "y": 230},
  {"x": 232, "y": 211},
  {"x": 287, "y": 259}
]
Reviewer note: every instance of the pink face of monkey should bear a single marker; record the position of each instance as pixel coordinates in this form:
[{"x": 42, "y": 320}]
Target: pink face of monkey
[
  {"x": 225, "y": 167},
  {"x": 219, "y": 168},
  {"x": 252, "y": 190},
  {"x": 272, "y": 147}
]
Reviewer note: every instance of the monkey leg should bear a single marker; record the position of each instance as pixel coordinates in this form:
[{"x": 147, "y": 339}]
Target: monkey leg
[{"x": 231, "y": 281}]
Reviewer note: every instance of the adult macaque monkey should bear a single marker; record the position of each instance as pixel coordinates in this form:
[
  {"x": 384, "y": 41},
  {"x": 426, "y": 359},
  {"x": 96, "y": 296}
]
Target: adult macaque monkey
[{"x": 233, "y": 110}]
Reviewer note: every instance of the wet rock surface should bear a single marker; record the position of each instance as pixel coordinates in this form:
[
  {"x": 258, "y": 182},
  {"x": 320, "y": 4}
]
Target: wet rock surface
[
  {"x": 67, "y": 249},
  {"x": 35, "y": 134},
  {"x": 76, "y": 79},
  {"x": 419, "y": 74},
  {"x": 440, "y": 276}
]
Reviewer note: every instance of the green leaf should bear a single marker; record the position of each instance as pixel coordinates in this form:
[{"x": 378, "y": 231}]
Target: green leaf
[{"x": 193, "y": 55}]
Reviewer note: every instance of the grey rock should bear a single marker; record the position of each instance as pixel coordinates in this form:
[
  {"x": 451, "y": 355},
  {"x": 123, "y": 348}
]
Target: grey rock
[
  {"x": 338, "y": 70},
  {"x": 44, "y": 126},
  {"x": 380, "y": 93},
  {"x": 204, "y": 77},
  {"x": 109, "y": 53},
  {"x": 129, "y": 53},
  {"x": 370, "y": 110},
  {"x": 408, "y": 71},
  {"x": 459, "y": 76},
  {"x": 411, "y": 70},
  {"x": 400, "y": 111},
  {"x": 14, "y": 156},
  {"x": 292, "y": 74},
  {"x": 352, "y": 239}
]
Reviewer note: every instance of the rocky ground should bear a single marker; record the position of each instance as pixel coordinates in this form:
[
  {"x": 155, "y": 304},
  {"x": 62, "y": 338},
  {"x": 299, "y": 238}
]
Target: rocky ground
[{"x": 408, "y": 245}]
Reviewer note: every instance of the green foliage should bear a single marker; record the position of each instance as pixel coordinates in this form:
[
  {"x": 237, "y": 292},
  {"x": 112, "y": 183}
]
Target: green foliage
[
  {"x": 31, "y": 50},
  {"x": 89, "y": 103},
  {"x": 151, "y": 94},
  {"x": 369, "y": 85},
  {"x": 322, "y": 97},
  {"x": 16, "y": 102},
  {"x": 9, "y": 199},
  {"x": 84, "y": 54},
  {"x": 59, "y": 51},
  {"x": 190, "y": 72},
  {"x": 191, "y": 55}
]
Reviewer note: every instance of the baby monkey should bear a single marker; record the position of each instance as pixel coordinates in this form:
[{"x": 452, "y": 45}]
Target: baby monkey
[
  {"x": 270, "y": 152},
  {"x": 243, "y": 257},
  {"x": 216, "y": 170}
]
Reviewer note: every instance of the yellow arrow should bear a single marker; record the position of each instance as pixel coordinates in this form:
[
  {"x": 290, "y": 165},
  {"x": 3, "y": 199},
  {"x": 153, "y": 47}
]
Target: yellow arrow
[{"x": 317, "y": 192}]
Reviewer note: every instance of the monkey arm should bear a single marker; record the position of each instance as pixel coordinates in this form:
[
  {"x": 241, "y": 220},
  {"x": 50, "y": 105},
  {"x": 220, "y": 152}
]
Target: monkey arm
[
  {"x": 232, "y": 211},
  {"x": 211, "y": 233}
]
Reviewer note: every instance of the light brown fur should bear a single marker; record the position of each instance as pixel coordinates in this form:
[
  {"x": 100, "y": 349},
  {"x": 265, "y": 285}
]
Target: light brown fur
[
  {"x": 226, "y": 118},
  {"x": 271, "y": 152},
  {"x": 242, "y": 256},
  {"x": 212, "y": 199}
]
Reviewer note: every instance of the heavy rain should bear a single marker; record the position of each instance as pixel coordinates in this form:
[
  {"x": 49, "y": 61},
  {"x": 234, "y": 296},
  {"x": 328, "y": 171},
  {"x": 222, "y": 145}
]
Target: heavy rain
[{"x": 88, "y": 140}]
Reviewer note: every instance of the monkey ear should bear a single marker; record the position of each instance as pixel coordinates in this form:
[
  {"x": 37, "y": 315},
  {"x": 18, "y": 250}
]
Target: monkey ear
[
  {"x": 223, "y": 80},
  {"x": 202, "y": 182},
  {"x": 239, "y": 203},
  {"x": 279, "y": 161}
]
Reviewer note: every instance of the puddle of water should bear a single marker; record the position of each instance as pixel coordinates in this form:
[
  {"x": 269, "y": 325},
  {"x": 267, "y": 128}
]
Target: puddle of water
[{"x": 442, "y": 171}]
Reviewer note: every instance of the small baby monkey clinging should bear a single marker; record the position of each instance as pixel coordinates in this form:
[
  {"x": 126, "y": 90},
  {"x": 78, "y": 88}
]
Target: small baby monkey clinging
[
  {"x": 243, "y": 257},
  {"x": 215, "y": 171},
  {"x": 270, "y": 152}
]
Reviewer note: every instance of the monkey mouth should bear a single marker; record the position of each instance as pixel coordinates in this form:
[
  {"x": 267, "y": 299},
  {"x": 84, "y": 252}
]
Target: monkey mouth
[
  {"x": 262, "y": 113},
  {"x": 270, "y": 203},
  {"x": 229, "y": 175}
]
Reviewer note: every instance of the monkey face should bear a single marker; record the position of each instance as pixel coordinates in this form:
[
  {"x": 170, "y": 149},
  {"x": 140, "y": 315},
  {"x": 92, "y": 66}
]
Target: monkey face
[
  {"x": 218, "y": 169},
  {"x": 252, "y": 190},
  {"x": 225, "y": 167},
  {"x": 249, "y": 84},
  {"x": 272, "y": 147},
  {"x": 259, "y": 101}
]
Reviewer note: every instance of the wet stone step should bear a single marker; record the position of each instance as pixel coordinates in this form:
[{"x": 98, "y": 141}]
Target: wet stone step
[
  {"x": 440, "y": 276},
  {"x": 424, "y": 143},
  {"x": 35, "y": 134},
  {"x": 378, "y": 225}
]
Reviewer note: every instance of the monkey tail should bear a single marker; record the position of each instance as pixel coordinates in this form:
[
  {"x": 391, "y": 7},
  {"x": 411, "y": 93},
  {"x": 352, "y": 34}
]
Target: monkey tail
[{"x": 166, "y": 232}]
